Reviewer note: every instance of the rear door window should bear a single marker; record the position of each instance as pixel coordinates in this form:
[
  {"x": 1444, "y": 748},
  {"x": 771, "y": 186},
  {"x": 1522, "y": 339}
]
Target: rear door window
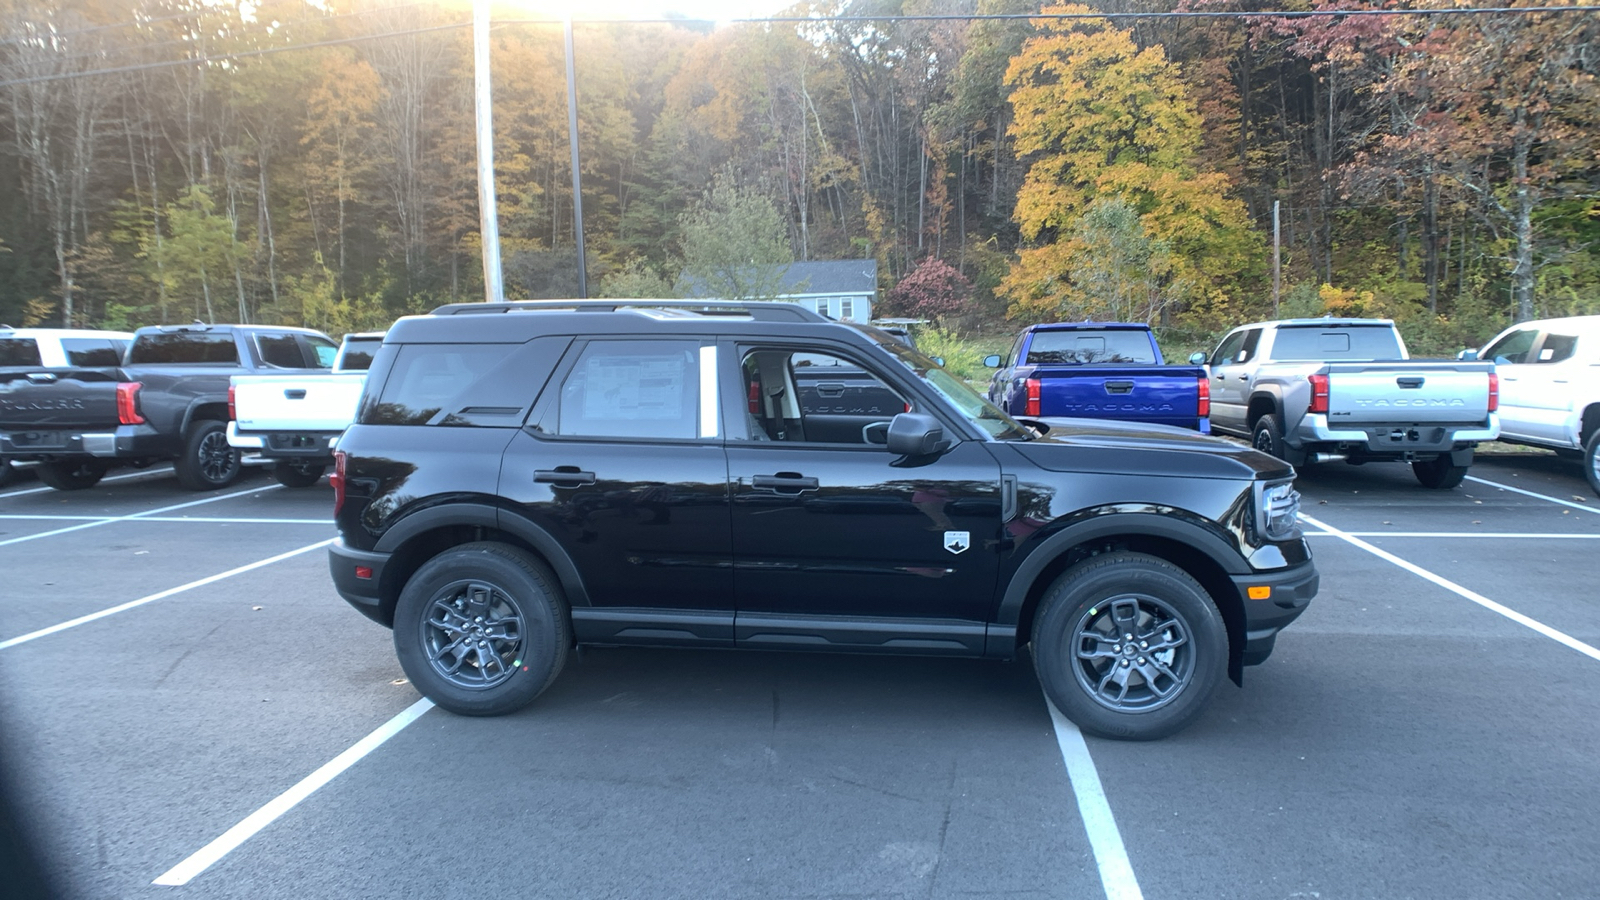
[
  {"x": 1557, "y": 347},
  {"x": 19, "y": 352},
  {"x": 638, "y": 389},
  {"x": 184, "y": 347},
  {"x": 91, "y": 352}
]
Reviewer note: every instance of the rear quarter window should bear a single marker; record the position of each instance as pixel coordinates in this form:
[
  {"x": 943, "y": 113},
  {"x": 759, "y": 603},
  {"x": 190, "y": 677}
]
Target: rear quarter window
[
  {"x": 19, "y": 352},
  {"x": 482, "y": 385},
  {"x": 184, "y": 347}
]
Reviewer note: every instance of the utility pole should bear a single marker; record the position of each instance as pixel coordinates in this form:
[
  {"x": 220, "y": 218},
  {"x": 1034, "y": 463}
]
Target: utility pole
[
  {"x": 488, "y": 213},
  {"x": 577, "y": 179},
  {"x": 1277, "y": 269}
]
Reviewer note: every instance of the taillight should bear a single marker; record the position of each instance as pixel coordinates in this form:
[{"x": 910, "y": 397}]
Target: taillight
[
  {"x": 128, "y": 403},
  {"x": 337, "y": 480},
  {"x": 1032, "y": 407},
  {"x": 233, "y": 408},
  {"x": 1494, "y": 392},
  {"x": 1203, "y": 403},
  {"x": 1319, "y": 394}
]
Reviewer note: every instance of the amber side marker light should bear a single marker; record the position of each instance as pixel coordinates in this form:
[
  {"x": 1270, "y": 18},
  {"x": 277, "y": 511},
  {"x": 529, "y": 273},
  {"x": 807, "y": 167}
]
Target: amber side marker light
[{"x": 1260, "y": 592}]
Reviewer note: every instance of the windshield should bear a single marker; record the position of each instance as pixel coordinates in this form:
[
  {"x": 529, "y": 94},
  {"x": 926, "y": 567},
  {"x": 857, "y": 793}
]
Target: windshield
[{"x": 978, "y": 410}]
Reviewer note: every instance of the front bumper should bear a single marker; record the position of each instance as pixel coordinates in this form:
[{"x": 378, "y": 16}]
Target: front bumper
[
  {"x": 365, "y": 594},
  {"x": 1288, "y": 592}
]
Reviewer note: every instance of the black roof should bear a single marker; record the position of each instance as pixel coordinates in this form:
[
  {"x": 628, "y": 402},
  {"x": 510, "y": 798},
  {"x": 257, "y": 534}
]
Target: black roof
[{"x": 514, "y": 322}]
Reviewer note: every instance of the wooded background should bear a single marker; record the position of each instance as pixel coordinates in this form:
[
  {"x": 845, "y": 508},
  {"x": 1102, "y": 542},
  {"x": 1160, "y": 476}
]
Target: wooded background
[{"x": 315, "y": 166}]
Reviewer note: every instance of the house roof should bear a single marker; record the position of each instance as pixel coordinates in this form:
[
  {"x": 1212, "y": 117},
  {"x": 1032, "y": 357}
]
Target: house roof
[{"x": 845, "y": 276}]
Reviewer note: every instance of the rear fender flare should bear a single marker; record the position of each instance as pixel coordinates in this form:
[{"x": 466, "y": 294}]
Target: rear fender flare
[
  {"x": 1260, "y": 397},
  {"x": 484, "y": 515}
]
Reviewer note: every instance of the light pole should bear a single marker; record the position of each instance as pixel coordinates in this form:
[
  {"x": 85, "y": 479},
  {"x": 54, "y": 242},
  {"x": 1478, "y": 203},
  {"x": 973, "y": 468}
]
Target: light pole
[
  {"x": 577, "y": 179},
  {"x": 488, "y": 214}
]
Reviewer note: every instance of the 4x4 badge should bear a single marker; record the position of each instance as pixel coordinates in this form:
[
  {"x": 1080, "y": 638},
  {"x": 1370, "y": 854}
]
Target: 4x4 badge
[{"x": 957, "y": 541}]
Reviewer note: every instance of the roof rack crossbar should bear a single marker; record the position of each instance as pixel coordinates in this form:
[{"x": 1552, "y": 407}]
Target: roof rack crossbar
[{"x": 760, "y": 311}]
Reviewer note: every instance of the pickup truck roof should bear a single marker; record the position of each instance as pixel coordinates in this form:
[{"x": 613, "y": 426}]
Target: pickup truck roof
[
  {"x": 1324, "y": 320},
  {"x": 1097, "y": 326},
  {"x": 61, "y": 347}
]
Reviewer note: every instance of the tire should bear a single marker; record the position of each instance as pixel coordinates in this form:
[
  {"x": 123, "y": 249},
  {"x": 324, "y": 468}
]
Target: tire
[
  {"x": 519, "y": 592},
  {"x": 1591, "y": 461},
  {"x": 1156, "y": 601},
  {"x": 72, "y": 474},
  {"x": 1439, "y": 473},
  {"x": 298, "y": 474},
  {"x": 1267, "y": 436},
  {"x": 207, "y": 462}
]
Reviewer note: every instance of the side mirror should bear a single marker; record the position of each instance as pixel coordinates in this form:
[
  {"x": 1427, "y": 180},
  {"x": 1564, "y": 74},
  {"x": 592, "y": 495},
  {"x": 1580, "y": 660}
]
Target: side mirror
[
  {"x": 938, "y": 361},
  {"x": 1466, "y": 355},
  {"x": 916, "y": 434},
  {"x": 1197, "y": 359},
  {"x": 991, "y": 362}
]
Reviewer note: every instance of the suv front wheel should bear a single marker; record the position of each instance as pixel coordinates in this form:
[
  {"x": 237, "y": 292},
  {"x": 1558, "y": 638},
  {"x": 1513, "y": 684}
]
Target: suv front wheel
[
  {"x": 1129, "y": 646},
  {"x": 482, "y": 629}
]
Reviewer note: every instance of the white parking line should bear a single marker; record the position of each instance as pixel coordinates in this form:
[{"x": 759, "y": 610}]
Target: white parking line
[
  {"x": 1458, "y": 590},
  {"x": 1505, "y": 535},
  {"x": 1116, "y": 872},
  {"x": 221, "y": 520},
  {"x": 207, "y": 856},
  {"x": 133, "y": 516},
  {"x": 71, "y": 623},
  {"x": 139, "y": 474},
  {"x": 1517, "y": 490}
]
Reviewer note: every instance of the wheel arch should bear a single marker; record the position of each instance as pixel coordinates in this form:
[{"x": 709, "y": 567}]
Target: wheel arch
[
  {"x": 426, "y": 533},
  {"x": 1263, "y": 402},
  {"x": 1206, "y": 557},
  {"x": 1588, "y": 423},
  {"x": 200, "y": 408}
]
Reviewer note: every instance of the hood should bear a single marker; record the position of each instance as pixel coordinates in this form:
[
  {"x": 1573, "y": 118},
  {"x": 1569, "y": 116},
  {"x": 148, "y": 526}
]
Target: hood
[{"x": 1100, "y": 445}]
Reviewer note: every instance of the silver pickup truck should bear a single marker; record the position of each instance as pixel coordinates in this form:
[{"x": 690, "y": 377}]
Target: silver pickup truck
[{"x": 1317, "y": 390}]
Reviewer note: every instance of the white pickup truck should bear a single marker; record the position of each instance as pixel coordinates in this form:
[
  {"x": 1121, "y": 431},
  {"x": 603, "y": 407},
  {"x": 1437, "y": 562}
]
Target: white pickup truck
[
  {"x": 291, "y": 422},
  {"x": 1317, "y": 390},
  {"x": 1550, "y": 387}
]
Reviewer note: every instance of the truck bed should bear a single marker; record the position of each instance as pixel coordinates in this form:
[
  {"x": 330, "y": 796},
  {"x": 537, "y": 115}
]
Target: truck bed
[{"x": 297, "y": 403}]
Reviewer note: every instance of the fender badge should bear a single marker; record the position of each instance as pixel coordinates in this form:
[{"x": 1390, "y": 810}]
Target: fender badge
[{"x": 957, "y": 541}]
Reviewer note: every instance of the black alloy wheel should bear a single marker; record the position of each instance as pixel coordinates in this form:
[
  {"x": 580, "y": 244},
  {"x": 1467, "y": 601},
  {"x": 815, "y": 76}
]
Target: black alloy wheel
[
  {"x": 482, "y": 629},
  {"x": 1129, "y": 646},
  {"x": 1591, "y": 461},
  {"x": 208, "y": 462},
  {"x": 298, "y": 474},
  {"x": 1267, "y": 436},
  {"x": 72, "y": 474}
]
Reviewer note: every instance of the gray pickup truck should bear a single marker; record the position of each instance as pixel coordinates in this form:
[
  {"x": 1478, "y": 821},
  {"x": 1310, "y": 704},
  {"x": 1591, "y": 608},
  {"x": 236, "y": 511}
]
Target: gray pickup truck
[{"x": 1317, "y": 390}]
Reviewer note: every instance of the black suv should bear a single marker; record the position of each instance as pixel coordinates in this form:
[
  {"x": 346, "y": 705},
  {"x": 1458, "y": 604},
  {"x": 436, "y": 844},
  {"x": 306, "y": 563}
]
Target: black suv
[{"x": 525, "y": 477}]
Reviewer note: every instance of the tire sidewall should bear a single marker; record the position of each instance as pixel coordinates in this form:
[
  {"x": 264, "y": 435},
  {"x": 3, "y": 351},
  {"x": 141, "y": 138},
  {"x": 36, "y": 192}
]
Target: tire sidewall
[
  {"x": 190, "y": 472},
  {"x": 1440, "y": 473},
  {"x": 1103, "y": 578},
  {"x": 72, "y": 474},
  {"x": 546, "y": 631},
  {"x": 297, "y": 475},
  {"x": 1269, "y": 425},
  {"x": 1591, "y": 461}
]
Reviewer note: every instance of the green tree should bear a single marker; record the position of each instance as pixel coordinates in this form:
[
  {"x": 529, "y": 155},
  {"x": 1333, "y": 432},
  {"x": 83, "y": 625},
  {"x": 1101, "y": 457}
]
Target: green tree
[{"x": 734, "y": 244}]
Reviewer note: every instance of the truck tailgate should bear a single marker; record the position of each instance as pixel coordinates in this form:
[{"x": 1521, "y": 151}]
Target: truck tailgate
[
  {"x": 1162, "y": 394},
  {"x": 50, "y": 403},
  {"x": 297, "y": 402},
  {"x": 1407, "y": 392}
]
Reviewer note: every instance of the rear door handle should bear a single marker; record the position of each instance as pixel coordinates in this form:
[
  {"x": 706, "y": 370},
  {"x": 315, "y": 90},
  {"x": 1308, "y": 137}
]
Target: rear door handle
[
  {"x": 785, "y": 482},
  {"x": 295, "y": 393},
  {"x": 566, "y": 476}
]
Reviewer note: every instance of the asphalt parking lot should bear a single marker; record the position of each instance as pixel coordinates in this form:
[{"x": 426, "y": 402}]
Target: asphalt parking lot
[{"x": 187, "y": 701}]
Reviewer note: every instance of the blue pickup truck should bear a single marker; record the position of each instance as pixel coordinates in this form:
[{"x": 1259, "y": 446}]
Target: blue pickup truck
[{"x": 1098, "y": 370}]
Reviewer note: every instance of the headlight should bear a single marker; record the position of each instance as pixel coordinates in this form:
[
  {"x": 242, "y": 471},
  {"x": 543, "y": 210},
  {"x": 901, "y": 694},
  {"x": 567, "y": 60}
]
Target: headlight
[{"x": 1277, "y": 510}]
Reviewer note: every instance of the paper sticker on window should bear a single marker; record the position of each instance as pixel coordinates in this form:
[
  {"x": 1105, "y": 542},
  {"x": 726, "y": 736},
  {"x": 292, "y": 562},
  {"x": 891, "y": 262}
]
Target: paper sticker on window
[{"x": 634, "y": 387}]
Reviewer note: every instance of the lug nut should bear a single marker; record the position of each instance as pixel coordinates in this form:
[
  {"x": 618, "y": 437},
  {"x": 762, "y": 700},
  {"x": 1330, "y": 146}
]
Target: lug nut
[
  {"x": 1116, "y": 648},
  {"x": 1141, "y": 660},
  {"x": 1124, "y": 664},
  {"x": 1144, "y": 645}
]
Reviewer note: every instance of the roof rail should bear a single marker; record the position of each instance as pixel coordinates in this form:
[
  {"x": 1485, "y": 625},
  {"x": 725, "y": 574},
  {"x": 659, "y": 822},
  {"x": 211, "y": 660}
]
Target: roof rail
[{"x": 760, "y": 311}]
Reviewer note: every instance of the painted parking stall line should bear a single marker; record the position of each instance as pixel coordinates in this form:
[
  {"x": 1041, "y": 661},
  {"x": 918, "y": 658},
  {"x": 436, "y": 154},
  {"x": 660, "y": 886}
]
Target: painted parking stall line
[
  {"x": 1452, "y": 535},
  {"x": 207, "y": 856},
  {"x": 162, "y": 595},
  {"x": 208, "y": 520},
  {"x": 1526, "y": 493},
  {"x": 134, "y": 516},
  {"x": 1560, "y": 637},
  {"x": 1110, "y": 855}
]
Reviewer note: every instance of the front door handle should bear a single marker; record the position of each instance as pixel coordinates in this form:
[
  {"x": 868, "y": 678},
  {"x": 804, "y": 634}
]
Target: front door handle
[
  {"x": 565, "y": 476},
  {"x": 785, "y": 482}
]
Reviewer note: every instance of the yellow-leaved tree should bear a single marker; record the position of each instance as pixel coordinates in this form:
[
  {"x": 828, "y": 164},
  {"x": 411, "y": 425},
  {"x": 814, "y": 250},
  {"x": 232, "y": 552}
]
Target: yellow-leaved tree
[{"x": 1099, "y": 119}]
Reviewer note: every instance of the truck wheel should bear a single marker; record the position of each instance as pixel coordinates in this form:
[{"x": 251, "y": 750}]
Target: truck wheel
[
  {"x": 72, "y": 474},
  {"x": 1267, "y": 436},
  {"x": 298, "y": 474},
  {"x": 1591, "y": 461},
  {"x": 1129, "y": 646},
  {"x": 7, "y": 473},
  {"x": 1439, "y": 473},
  {"x": 207, "y": 461},
  {"x": 482, "y": 629}
]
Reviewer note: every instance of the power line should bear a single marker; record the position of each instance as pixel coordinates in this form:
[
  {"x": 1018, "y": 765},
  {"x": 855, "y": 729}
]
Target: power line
[{"x": 813, "y": 20}]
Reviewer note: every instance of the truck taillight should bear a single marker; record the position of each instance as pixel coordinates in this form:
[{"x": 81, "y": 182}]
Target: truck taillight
[
  {"x": 128, "y": 403},
  {"x": 233, "y": 407},
  {"x": 1032, "y": 408},
  {"x": 337, "y": 480},
  {"x": 1203, "y": 403},
  {"x": 1494, "y": 392},
  {"x": 1319, "y": 394}
]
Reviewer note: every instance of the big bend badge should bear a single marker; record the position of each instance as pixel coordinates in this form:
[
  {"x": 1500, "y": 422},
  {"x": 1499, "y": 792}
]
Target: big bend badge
[{"x": 957, "y": 541}]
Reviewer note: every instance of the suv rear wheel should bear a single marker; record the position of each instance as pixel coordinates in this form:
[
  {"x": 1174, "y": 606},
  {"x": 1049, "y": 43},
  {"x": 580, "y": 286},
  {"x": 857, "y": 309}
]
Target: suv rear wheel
[
  {"x": 1129, "y": 646},
  {"x": 482, "y": 629}
]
